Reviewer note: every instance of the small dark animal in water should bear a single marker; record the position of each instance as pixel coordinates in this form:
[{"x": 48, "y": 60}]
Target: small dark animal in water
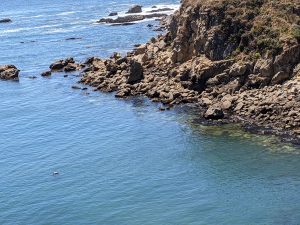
[{"x": 55, "y": 173}]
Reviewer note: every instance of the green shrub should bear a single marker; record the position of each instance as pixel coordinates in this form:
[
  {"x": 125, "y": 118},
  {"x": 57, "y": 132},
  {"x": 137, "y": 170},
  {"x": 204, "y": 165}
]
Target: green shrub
[{"x": 296, "y": 32}]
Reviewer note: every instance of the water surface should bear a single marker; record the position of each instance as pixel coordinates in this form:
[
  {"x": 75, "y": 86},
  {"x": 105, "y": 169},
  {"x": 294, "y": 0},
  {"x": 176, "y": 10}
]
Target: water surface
[{"x": 120, "y": 162}]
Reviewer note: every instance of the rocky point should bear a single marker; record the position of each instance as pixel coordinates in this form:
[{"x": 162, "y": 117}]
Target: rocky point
[{"x": 233, "y": 59}]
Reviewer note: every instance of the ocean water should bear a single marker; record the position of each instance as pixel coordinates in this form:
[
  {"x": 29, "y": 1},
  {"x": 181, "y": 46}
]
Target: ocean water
[{"x": 121, "y": 161}]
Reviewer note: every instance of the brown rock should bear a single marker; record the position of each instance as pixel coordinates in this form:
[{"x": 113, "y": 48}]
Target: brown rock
[{"x": 9, "y": 72}]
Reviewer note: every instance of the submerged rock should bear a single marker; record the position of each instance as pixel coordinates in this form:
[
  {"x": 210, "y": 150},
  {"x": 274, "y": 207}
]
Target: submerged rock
[
  {"x": 46, "y": 74},
  {"x": 9, "y": 72},
  {"x": 6, "y": 20}
]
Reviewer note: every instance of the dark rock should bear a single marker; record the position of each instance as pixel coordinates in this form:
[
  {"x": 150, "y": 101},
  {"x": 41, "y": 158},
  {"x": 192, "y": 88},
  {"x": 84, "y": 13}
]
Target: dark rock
[
  {"x": 135, "y": 72},
  {"x": 9, "y": 72},
  {"x": 113, "y": 14},
  {"x": 58, "y": 65},
  {"x": 73, "y": 38},
  {"x": 6, "y": 20},
  {"x": 89, "y": 60},
  {"x": 66, "y": 65},
  {"x": 46, "y": 74},
  {"x": 125, "y": 19},
  {"x": 135, "y": 9},
  {"x": 76, "y": 87},
  {"x": 214, "y": 113},
  {"x": 70, "y": 68}
]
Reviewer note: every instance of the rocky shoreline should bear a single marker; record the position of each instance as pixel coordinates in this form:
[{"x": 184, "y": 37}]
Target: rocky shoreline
[
  {"x": 228, "y": 60},
  {"x": 195, "y": 63}
]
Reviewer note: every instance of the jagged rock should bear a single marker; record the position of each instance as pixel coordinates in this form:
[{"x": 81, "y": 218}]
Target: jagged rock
[
  {"x": 135, "y": 9},
  {"x": 66, "y": 65},
  {"x": 135, "y": 72},
  {"x": 264, "y": 67},
  {"x": 58, "y": 65},
  {"x": 129, "y": 19},
  {"x": 9, "y": 72}
]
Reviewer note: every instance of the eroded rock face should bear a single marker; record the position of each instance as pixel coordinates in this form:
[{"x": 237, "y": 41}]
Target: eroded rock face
[{"x": 9, "y": 72}]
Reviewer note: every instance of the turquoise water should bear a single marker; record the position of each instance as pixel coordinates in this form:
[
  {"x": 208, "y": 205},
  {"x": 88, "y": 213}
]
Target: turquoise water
[{"x": 122, "y": 162}]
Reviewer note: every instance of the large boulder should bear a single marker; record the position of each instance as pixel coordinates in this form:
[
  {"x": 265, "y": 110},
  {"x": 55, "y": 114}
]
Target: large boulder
[
  {"x": 136, "y": 73},
  {"x": 264, "y": 67},
  {"x": 135, "y": 9},
  {"x": 9, "y": 72}
]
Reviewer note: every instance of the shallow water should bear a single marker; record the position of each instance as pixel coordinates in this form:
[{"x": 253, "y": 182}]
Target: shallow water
[{"x": 121, "y": 162}]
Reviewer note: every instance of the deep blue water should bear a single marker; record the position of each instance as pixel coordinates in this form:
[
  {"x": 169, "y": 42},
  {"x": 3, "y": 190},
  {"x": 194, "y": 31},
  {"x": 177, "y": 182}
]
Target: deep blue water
[{"x": 121, "y": 162}]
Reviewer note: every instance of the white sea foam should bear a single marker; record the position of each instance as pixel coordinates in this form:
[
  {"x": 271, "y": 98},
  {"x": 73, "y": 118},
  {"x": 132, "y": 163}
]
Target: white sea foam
[
  {"x": 17, "y": 30},
  {"x": 147, "y": 10},
  {"x": 66, "y": 13}
]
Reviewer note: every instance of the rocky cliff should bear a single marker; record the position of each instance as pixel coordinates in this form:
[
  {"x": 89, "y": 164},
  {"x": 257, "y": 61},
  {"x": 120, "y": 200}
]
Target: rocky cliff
[{"x": 237, "y": 59}]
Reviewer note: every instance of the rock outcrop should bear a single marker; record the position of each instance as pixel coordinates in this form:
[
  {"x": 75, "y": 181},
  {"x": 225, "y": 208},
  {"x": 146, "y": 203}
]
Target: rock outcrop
[
  {"x": 130, "y": 18},
  {"x": 66, "y": 65},
  {"x": 9, "y": 72},
  {"x": 135, "y": 9},
  {"x": 232, "y": 58}
]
